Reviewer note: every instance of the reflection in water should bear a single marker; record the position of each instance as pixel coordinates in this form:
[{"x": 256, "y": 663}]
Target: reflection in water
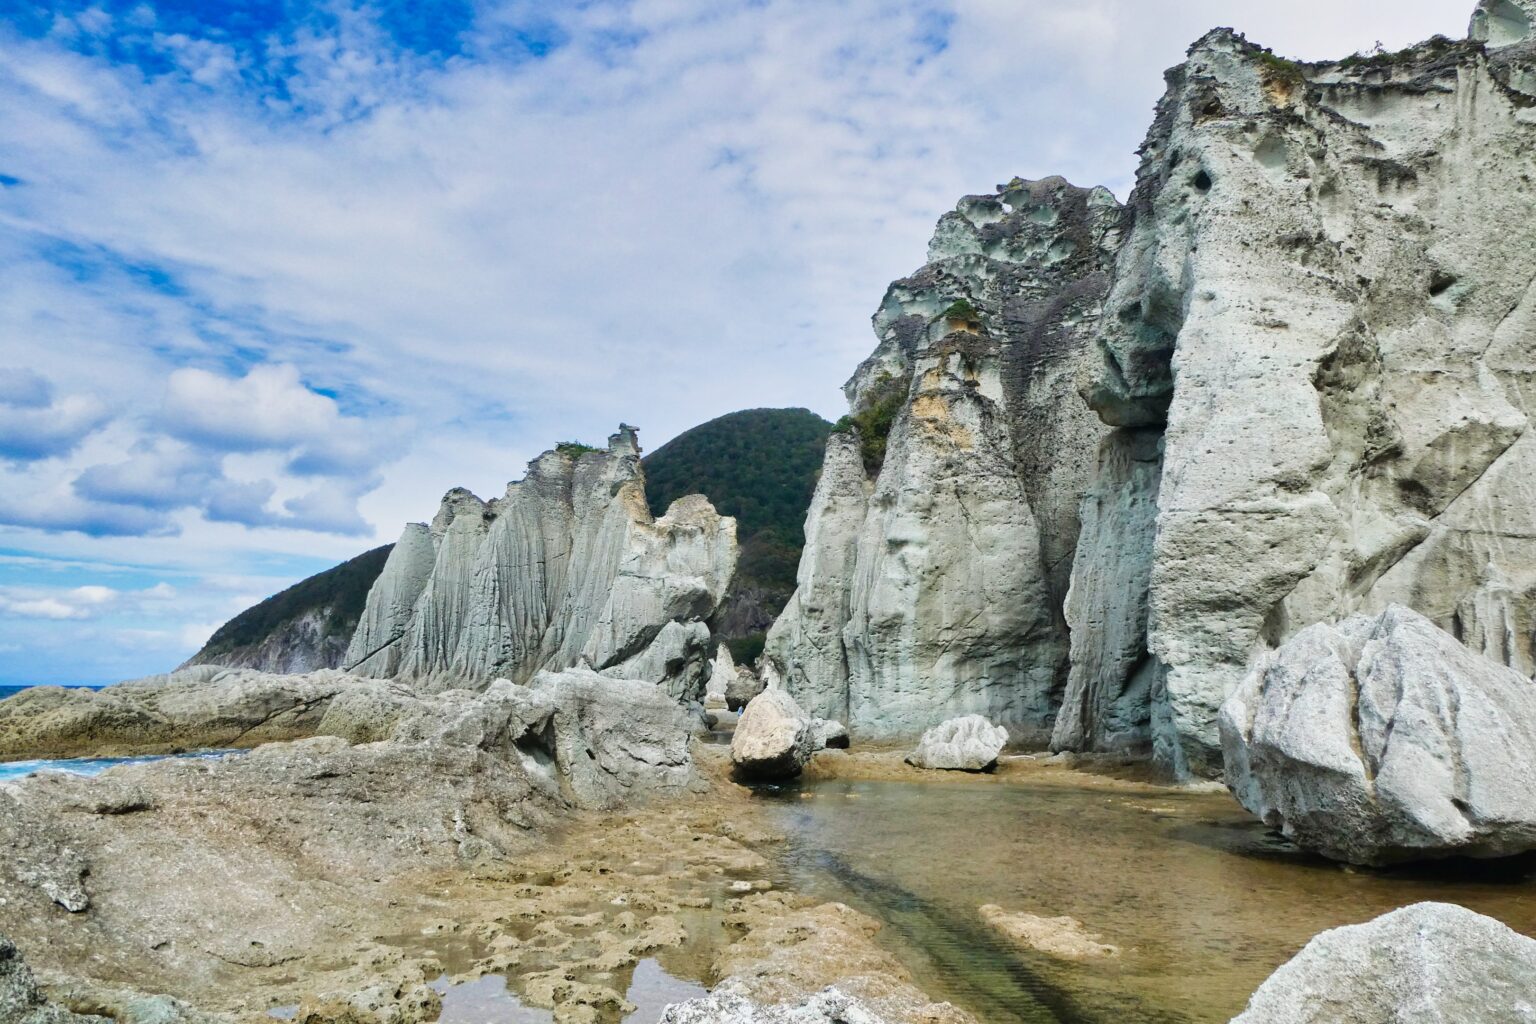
[
  {"x": 486, "y": 1000},
  {"x": 1202, "y": 900}
]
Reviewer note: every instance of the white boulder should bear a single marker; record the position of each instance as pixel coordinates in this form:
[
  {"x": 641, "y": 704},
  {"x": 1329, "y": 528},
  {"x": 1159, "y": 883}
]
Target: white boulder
[
  {"x": 1383, "y": 740},
  {"x": 1431, "y": 963},
  {"x": 774, "y": 737},
  {"x": 968, "y": 744}
]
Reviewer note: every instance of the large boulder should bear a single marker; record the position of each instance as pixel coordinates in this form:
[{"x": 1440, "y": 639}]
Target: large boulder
[
  {"x": 741, "y": 687},
  {"x": 969, "y": 743},
  {"x": 1382, "y": 740},
  {"x": 1431, "y": 963},
  {"x": 615, "y": 740},
  {"x": 21, "y": 1002},
  {"x": 774, "y": 738}
]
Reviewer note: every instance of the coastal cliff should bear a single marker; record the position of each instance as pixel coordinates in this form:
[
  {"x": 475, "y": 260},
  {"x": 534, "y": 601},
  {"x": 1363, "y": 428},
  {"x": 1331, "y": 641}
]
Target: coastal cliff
[{"x": 1304, "y": 351}]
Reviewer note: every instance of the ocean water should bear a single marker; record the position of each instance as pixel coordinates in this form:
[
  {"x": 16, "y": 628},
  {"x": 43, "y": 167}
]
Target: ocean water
[
  {"x": 13, "y": 770},
  {"x": 11, "y": 690}
]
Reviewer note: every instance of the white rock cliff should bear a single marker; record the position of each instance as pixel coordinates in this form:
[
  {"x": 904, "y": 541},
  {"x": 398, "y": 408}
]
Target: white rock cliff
[
  {"x": 568, "y": 568},
  {"x": 1311, "y": 380}
]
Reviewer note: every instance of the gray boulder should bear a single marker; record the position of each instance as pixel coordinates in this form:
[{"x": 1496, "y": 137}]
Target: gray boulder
[
  {"x": 1431, "y": 963},
  {"x": 828, "y": 734},
  {"x": 614, "y": 740},
  {"x": 826, "y": 1007},
  {"x": 774, "y": 737},
  {"x": 742, "y": 687},
  {"x": 21, "y": 1002},
  {"x": 1383, "y": 740},
  {"x": 969, "y": 744}
]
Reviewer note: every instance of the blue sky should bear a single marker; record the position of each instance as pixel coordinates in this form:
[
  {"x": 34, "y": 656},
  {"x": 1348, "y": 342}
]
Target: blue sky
[{"x": 274, "y": 274}]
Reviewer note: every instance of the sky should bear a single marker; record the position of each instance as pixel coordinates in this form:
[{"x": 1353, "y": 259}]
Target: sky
[{"x": 274, "y": 274}]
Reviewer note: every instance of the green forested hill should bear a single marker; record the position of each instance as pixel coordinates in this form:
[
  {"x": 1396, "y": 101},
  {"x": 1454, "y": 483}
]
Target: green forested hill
[
  {"x": 302, "y": 628},
  {"x": 760, "y": 466}
]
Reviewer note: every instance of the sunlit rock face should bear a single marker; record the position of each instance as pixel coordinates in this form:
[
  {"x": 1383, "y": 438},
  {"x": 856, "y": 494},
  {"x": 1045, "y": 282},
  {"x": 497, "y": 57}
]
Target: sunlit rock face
[
  {"x": 941, "y": 536},
  {"x": 568, "y": 568},
  {"x": 1318, "y": 352}
]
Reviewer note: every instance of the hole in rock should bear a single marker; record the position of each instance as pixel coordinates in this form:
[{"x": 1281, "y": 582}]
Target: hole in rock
[
  {"x": 1203, "y": 181},
  {"x": 1440, "y": 283}
]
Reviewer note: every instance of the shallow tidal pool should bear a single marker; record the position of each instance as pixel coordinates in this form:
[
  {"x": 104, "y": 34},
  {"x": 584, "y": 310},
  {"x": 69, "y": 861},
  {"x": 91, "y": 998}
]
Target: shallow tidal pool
[{"x": 1203, "y": 902}]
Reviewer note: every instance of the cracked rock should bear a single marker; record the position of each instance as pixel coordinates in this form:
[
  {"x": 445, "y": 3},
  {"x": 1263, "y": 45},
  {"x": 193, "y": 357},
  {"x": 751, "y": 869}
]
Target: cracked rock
[{"x": 1379, "y": 740}]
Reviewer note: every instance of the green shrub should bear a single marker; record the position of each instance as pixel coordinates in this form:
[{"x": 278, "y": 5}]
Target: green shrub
[{"x": 575, "y": 449}]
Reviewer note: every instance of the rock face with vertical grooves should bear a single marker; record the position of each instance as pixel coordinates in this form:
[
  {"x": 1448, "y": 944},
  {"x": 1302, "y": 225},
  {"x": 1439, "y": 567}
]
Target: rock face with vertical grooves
[
  {"x": 1384, "y": 739},
  {"x": 568, "y": 568},
  {"x": 1325, "y": 312},
  {"x": 941, "y": 536}
]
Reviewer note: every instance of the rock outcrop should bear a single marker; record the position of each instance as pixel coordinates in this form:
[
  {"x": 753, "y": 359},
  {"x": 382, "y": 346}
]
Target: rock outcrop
[
  {"x": 774, "y": 737},
  {"x": 1430, "y": 962},
  {"x": 568, "y": 568},
  {"x": 1064, "y": 937},
  {"x": 1316, "y": 354},
  {"x": 1382, "y": 740},
  {"x": 206, "y": 707},
  {"x": 968, "y": 744},
  {"x": 21, "y": 1002},
  {"x": 828, "y": 1007},
  {"x": 942, "y": 531}
]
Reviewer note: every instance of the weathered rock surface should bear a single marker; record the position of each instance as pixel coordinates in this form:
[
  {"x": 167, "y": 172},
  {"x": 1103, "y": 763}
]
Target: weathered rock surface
[
  {"x": 1435, "y": 963},
  {"x": 1063, "y": 937},
  {"x": 1502, "y": 23},
  {"x": 722, "y": 672},
  {"x": 1385, "y": 739},
  {"x": 375, "y": 646},
  {"x": 827, "y": 734},
  {"x": 202, "y": 707},
  {"x": 934, "y": 589},
  {"x": 742, "y": 687},
  {"x": 774, "y": 737},
  {"x": 789, "y": 953},
  {"x": 1322, "y": 315},
  {"x": 568, "y": 568},
  {"x": 21, "y": 1002},
  {"x": 969, "y": 744}
]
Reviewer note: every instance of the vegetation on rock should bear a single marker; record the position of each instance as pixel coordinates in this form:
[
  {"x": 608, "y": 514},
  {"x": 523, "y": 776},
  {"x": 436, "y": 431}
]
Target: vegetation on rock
[{"x": 873, "y": 422}]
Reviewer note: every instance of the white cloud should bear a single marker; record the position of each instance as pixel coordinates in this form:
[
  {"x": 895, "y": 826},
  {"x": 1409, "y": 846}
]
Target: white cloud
[
  {"x": 267, "y": 408},
  {"x": 36, "y": 424},
  {"x": 42, "y": 608}
]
